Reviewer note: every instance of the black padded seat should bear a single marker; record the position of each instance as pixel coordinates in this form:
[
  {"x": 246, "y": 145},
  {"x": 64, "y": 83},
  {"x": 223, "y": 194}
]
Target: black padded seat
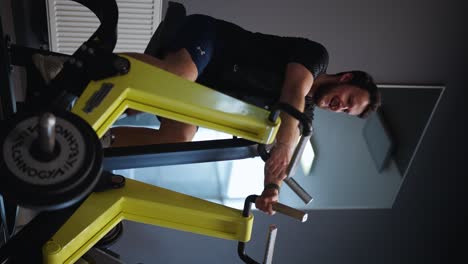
[{"x": 166, "y": 30}]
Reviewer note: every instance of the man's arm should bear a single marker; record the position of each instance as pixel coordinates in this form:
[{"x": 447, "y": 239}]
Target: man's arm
[{"x": 298, "y": 82}]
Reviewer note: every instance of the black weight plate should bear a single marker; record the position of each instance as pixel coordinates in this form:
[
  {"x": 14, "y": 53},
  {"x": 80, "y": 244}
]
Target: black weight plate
[{"x": 55, "y": 184}]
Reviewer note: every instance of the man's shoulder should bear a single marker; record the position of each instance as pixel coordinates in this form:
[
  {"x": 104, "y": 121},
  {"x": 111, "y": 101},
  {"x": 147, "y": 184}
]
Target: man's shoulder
[{"x": 313, "y": 55}]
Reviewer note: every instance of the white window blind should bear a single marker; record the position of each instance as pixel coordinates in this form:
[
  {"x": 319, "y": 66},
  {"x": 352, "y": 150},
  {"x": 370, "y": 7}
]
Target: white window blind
[{"x": 70, "y": 24}]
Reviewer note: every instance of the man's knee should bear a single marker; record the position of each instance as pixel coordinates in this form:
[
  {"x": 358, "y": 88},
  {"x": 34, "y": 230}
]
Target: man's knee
[
  {"x": 185, "y": 134},
  {"x": 180, "y": 63},
  {"x": 179, "y": 132}
]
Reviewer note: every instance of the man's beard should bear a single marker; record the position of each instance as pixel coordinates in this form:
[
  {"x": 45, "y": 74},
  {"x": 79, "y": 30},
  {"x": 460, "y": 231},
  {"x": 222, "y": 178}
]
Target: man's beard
[{"x": 321, "y": 91}]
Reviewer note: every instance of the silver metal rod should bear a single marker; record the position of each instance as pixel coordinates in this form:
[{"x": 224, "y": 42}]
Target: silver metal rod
[
  {"x": 292, "y": 170},
  {"x": 270, "y": 247},
  {"x": 295, "y": 160},
  {"x": 305, "y": 197},
  {"x": 291, "y": 212},
  {"x": 46, "y": 133}
]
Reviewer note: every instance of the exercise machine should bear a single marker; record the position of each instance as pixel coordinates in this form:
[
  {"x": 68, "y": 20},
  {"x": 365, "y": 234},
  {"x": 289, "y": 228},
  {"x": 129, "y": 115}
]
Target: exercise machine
[{"x": 51, "y": 157}]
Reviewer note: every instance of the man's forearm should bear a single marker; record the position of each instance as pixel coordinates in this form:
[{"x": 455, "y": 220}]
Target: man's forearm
[
  {"x": 288, "y": 133},
  {"x": 286, "y": 140},
  {"x": 297, "y": 84}
]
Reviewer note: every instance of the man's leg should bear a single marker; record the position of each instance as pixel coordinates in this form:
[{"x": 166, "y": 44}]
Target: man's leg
[
  {"x": 170, "y": 131},
  {"x": 179, "y": 63},
  {"x": 187, "y": 56}
]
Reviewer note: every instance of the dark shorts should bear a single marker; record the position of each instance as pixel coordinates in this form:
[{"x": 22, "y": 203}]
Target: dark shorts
[
  {"x": 203, "y": 37},
  {"x": 198, "y": 36}
]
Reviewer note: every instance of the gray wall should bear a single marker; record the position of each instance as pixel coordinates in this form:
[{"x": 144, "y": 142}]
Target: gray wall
[
  {"x": 399, "y": 41},
  {"x": 343, "y": 174}
]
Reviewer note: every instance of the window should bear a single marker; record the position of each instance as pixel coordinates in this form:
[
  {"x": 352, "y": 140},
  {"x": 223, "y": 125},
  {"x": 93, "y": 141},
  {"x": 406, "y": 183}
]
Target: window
[{"x": 70, "y": 24}]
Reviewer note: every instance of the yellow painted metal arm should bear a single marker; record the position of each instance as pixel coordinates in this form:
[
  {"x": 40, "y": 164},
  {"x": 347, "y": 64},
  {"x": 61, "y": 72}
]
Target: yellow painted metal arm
[
  {"x": 142, "y": 203},
  {"x": 150, "y": 89}
]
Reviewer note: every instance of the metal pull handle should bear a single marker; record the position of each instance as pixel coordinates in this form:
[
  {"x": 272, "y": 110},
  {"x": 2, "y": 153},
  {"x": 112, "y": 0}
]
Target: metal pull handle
[
  {"x": 291, "y": 170},
  {"x": 281, "y": 208},
  {"x": 297, "y": 156},
  {"x": 306, "y": 131},
  {"x": 305, "y": 197},
  {"x": 291, "y": 212}
]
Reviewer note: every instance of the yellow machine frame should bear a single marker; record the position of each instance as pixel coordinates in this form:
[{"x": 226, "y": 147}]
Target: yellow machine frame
[
  {"x": 152, "y": 90},
  {"x": 147, "y": 204},
  {"x": 149, "y": 89}
]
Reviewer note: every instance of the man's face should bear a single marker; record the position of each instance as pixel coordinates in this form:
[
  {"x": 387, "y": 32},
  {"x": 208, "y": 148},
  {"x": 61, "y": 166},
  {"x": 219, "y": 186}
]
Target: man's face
[{"x": 344, "y": 98}]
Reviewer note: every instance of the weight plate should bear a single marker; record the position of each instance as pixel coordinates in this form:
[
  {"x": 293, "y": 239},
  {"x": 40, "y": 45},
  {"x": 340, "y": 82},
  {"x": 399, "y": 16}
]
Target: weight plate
[
  {"x": 56, "y": 183},
  {"x": 19, "y": 160}
]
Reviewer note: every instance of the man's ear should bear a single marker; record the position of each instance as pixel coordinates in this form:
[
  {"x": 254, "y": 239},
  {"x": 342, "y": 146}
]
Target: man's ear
[{"x": 346, "y": 77}]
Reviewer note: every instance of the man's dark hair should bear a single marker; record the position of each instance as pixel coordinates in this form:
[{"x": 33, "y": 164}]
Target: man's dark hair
[{"x": 364, "y": 81}]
